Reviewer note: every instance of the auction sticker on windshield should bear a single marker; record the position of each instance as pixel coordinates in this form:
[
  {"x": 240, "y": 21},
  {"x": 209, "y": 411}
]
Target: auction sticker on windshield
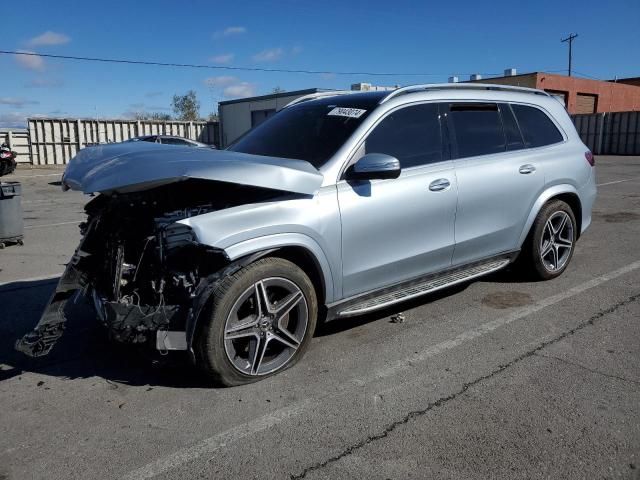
[{"x": 347, "y": 112}]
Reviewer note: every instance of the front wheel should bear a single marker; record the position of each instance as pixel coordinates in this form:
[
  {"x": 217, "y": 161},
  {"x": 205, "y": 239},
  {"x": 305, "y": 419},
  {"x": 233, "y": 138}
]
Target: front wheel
[
  {"x": 260, "y": 322},
  {"x": 551, "y": 242}
]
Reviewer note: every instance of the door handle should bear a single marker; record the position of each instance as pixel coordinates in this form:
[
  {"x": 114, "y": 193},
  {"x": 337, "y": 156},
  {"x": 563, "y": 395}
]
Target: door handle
[
  {"x": 439, "y": 185},
  {"x": 528, "y": 168}
]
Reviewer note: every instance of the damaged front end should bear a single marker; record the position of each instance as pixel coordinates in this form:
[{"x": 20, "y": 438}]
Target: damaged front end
[{"x": 144, "y": 272}]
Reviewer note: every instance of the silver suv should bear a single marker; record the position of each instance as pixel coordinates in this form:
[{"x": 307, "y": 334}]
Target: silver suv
[{"x": 340, "y": 204}]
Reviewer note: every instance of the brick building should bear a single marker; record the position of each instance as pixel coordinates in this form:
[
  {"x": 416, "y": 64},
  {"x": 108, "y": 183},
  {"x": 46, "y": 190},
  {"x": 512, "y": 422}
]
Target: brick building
[{"x": 580, "y": 95}]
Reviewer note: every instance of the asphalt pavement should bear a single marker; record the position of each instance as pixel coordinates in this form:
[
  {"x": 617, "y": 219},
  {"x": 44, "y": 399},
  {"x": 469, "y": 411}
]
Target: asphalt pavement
[{"x": 498, "y": 378}]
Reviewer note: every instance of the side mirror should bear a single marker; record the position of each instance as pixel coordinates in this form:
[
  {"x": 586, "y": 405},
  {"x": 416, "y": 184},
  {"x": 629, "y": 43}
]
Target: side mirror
[{"x": 374, "y": 165}]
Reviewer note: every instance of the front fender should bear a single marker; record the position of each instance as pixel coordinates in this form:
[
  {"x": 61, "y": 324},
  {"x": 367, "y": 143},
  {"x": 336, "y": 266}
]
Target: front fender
[
  {"x": 248, "y": 251},
  {"x": 280, "y": 240},
  {"x": 542, "y": 199}
]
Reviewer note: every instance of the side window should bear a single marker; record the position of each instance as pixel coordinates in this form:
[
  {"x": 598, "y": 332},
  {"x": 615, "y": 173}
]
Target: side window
[
  {"x": 411, "y": 134},
  {"x": 537, "y": 128},
  {"x": 477, "y": 129},
  {"x": 174, "y": 141},
  {"x": 511, "y": 129}
]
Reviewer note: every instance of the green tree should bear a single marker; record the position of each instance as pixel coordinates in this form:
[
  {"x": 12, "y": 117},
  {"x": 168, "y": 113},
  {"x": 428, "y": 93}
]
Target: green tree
[{"x": 186, "y": 107}]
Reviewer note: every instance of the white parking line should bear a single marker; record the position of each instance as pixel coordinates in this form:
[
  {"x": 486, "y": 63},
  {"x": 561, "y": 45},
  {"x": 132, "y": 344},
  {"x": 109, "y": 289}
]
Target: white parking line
[
  {"x": 215, "y": 442},
  {"x": 615, "y": 181},
  {"x": 53, "y": 224},
  {"x": 34, "y": 176}
]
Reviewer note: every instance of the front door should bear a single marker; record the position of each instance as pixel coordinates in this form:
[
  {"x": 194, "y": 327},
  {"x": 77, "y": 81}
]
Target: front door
[{"x": 396, "y": 230}]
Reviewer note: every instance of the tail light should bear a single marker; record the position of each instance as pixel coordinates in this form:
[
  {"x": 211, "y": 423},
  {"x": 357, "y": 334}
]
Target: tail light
[{"x": 589, "y": 156}]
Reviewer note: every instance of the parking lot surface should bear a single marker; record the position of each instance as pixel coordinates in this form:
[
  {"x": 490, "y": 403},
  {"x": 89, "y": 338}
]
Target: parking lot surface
[{"x": 498, "y": 378}]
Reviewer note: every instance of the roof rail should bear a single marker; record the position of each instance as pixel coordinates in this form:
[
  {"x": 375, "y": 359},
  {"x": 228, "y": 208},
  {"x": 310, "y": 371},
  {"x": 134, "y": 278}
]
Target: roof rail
[
  {"x": 460, "y": 86},
  {"x": 313, "y": 96}
]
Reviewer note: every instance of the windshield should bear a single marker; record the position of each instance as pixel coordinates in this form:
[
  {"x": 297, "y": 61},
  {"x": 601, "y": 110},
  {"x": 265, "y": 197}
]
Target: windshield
[{"x": 311, "y": 131}]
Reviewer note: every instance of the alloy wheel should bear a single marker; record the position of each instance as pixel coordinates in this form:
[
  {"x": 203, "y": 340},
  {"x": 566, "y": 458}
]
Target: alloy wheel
[
  {"x": 266, "y": 326},
  {"x": 556, "y": 242}
]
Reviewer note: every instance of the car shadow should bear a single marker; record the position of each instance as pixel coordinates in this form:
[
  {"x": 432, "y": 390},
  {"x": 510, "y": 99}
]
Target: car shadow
[
  {"x": 84, "y": 350},
  {"x": 342, "y": 324}
]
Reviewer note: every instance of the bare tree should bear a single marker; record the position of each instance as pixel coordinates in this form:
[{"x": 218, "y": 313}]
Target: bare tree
[
  {"x": 278, "y": 90},
  {"x": 157, "y": 116},
  {"x": 186, "y": 107}
]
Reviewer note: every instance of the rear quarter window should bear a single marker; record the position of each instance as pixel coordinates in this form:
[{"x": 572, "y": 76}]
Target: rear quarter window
[{"x": 537, "y": 128}]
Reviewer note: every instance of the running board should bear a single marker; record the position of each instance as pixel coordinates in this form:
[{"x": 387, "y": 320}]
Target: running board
[{"x": 422, "y": 287}]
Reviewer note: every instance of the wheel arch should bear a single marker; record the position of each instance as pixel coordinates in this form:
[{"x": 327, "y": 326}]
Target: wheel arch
[
  {"x": 298, "y": 248},
  {"x": 567, "y": 193}
]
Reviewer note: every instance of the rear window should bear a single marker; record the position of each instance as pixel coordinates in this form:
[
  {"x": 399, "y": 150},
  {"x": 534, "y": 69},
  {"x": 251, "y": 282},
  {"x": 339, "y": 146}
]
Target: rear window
[
  {"x": 477, "y": 129},
  {"x": 536, "y": 127}
]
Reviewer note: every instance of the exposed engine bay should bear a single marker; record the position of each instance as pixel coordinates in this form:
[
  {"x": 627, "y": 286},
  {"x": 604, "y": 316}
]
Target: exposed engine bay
[{"x": 143, "y": 272}]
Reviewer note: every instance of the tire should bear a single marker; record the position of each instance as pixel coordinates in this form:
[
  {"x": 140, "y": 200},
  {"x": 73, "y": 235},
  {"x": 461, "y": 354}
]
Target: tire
[
  {"x": 551, "y": 242},
  {"x": 239, "y": 325}
]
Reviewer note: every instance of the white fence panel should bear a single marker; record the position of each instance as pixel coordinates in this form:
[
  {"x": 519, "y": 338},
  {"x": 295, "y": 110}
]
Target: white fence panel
[
  {"x": 54, "y": 141},
  {"x": 18, "y": 140}
]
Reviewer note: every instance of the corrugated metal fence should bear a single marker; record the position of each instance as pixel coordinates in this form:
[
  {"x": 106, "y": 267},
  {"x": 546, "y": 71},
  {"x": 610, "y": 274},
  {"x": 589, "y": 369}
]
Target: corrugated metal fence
[
  {"x": 18, "y": 141},
  {"x": 616, "y": 133},
  {"x": 54, "y": 141}
]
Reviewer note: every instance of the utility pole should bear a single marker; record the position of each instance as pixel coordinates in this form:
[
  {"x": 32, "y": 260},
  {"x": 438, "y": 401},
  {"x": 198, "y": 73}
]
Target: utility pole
[{"x": 570, "y": 40}]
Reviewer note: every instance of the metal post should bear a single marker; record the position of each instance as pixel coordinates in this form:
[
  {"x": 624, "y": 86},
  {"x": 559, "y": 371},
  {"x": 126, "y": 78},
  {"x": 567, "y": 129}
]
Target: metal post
[
  {"x": 79, "y": 134},
  {"x": 570, "y": 40}
]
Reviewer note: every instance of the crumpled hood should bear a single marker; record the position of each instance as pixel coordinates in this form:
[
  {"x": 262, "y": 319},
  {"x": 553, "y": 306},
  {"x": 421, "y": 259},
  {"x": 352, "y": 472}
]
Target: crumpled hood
[{"x": 133, "y": 166}]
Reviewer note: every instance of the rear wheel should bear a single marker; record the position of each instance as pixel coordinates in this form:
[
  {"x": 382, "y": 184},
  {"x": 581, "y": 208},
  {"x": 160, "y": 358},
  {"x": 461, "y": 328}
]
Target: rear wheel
[
  {"x": 260, "y": 322},
  {"x": 551, "y": 242}
]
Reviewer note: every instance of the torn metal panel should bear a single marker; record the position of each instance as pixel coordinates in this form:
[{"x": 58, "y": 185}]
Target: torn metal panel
[{"x": 136, "y": 166}]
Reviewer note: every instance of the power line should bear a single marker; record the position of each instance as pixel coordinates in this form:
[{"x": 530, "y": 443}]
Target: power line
[{"x": 227, "y": 67}]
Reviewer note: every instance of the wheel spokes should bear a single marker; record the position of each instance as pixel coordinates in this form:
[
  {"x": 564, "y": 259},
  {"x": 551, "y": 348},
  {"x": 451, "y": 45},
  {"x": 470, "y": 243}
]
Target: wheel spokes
[
  {"x": 285, "y": 338},
  {"x": 546, "y": 249},
  {"x": 262, "y": 300},
  {"x": 262, "y": 333},
  {"x": 256, "y": 353},
  {"x": 282, "y": 308},
  {"x": 240, "y": 329},
  {"x": 555, "y": 256},
  {"x": 557, "y": 240},
  {"x": 560, "y": 227}
]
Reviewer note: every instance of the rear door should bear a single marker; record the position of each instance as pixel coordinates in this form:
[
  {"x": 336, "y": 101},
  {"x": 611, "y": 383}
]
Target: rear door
[
  {"x": 498, "y": 179},
  {"x": 395, "y": 230}
]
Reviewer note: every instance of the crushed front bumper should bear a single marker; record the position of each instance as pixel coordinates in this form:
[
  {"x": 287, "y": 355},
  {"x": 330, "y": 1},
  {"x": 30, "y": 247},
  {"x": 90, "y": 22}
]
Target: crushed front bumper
[{"x": 127, "y": 323}]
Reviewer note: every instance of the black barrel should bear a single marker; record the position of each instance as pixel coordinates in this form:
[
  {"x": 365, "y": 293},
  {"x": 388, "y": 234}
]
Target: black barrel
[{"x": 11, "y": 218}]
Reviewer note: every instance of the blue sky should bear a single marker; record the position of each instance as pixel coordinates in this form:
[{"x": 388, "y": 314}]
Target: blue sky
[{"x": 442, "y": 38}]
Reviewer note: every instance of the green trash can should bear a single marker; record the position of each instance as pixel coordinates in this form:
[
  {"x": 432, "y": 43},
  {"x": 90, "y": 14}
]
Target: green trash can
[{"x": 11, "y": 218}]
